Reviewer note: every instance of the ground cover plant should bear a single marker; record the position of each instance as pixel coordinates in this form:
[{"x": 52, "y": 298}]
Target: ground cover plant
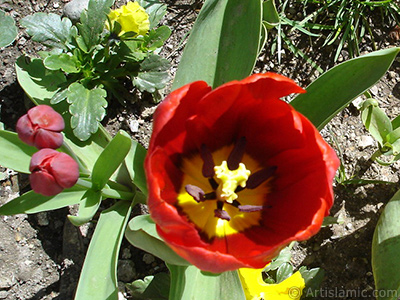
[{"x": 209, "y": 182}]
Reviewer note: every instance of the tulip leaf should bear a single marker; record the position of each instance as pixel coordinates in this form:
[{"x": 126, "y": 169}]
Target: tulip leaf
[
  {"x": 375, "y": 120},
  {"x": 188, "y": 282},
  {"x": 88, "y": 206},
  {"x": 15, "y": 154},
  {"x": 8, "y": 30},
  {"x": 92, "y": 21},
  {"x": 336, "y": 88},
  {"x": 141, "y": 233},
  {"x": 87, "y": 109},
  {"x": 270, "y": 14},
  {"x": 98, "y": 279},
  {"x": 31, "y": 202},
  {"x": 385, "y": 251},
  {"x": 39, "y": 83},
  {"x": 151, "y": 287},
  {"x": 49, "y": 29},
  {"x": 134, "y": 163},
  {"x": 223, "y": 44},
  {"x": 153, "y": 74},
  {"x": 110, "y": 159}
]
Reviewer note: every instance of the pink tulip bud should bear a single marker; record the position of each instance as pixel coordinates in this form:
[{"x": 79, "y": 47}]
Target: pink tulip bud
[
  {"x": 52, "y": 171},
  {"x": 41, "y": 127}
]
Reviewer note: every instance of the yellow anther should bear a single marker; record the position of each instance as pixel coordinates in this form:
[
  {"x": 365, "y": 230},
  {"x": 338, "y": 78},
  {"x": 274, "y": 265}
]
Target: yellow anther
[{"x": 229, "y": 180}]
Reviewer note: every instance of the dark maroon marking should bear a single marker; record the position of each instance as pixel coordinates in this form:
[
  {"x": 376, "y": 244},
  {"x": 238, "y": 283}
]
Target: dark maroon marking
[
  {"x": 208, "y": 161},
  {"x": 222, "y": 214},
  {"x": 210, "y": 196},
  {"x": 196, "y": 192},
  {"x": 259, "y": 177},
  {"x": 236, "y": 155}
]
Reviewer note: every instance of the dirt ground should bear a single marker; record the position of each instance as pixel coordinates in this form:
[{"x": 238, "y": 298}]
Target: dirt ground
[{"x": 41, "y": 255}]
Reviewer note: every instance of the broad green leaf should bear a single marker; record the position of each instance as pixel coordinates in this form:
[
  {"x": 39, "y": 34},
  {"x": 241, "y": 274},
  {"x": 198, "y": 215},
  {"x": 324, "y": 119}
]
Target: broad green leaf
[
  {"x": 141, "y": 233},
  {"x": 15, "y": 154},
  {"x": 88, "y": 206},
  {"x": 130, "y": 51},
  {"x": 87, "y": 109},
  {"x": 284, "y": 271},
  {"x": 154, "y": 9},
  {"x": 396, "y": 122},
  {"x": 93, "y": 20},
  {"x": 98, "y": 279},
  {"x": 110, "y": 159},
  {"x": 188, "y": 282},
  {"x": 336, "y": 88},
  {"x": 63, "y": 61},
  {"x": 375, "y": 120},
  {"x": 151, "y": 287},
  {"x": 223, "y": 44},
  {"x": 270, "y": 14},
  {"x": 39, "y": 83},
  {"x": 48, "y": 29},
  {"x": 30, "y": 202},
  {"x": 385, "y": 251},
  {"x": 8, "y": 30},
  {"x": 313, "y": 279},
  {"x": 283, "y": 257},
  {"x": 153, "y": 74},
  {"x": 135, "y": 165},
  {"x": 156, "y": 38}
]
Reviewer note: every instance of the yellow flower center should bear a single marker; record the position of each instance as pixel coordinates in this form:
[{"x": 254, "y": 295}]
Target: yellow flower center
[{"x": 230, "y": 180}]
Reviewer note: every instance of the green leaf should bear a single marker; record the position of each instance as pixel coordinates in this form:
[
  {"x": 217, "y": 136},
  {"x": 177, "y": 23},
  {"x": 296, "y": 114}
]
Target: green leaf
[
  {"x": 375, "y": 120},
  {"x": 155, "y": 10},
  {"x": 135, "y": 165},
  {"x": 156, "y": 38},
  {"x": 88, "y": 207},
  {"x": 151, "y": 287},
  {"x": 87, "y": 109},
  {"x": 313, "y": 279},
  {"x": 130, "y": 51},
  {"x": 110, "y": 159},
  {"x": 8, "y": 30},
  {"x": 191, "y": 283},
  {"x": 283, "y": 257},
  {"x": 284, "y": 271},
  {"x": 30, "y": 202},
  {"x": 49, "y": 29},
  {"x": 153, "y": 74},
  {"x": 93, "y": 20},
  {"x": 39, "y": 83},
  {"x": 15, "y": 154},
  {"x": 142, "y": 234},
  {"x": 270, "y": 14},
  {"x": 223, "y": 44},
  {"x": 67, "y": 63},
  {"x": 385, "y": 251},
  {"x": 98, "y": 279},
  {"x": 336, "y": 88}
]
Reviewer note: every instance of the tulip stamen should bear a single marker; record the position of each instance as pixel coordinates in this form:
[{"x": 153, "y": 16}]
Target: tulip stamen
[
  {"x": 252, "y": 208},
  {"x": 208, "y": 161},
  {"x": 196, "y": 192},
  {"x": 236, "y": 155},
  {"x": 259, "y": 177},
  {"x": 222, "y": 214}
]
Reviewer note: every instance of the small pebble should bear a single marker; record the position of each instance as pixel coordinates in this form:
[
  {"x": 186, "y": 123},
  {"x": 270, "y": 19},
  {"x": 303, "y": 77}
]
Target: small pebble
[{"x": 148, "y": 258}]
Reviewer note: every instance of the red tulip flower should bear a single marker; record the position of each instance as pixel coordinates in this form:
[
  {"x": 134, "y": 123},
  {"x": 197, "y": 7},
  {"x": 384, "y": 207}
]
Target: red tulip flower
[
  {"x": 52, "y": 171},
  {"x": 235, "y": 174},
  {"x": 41, "y": 127}
]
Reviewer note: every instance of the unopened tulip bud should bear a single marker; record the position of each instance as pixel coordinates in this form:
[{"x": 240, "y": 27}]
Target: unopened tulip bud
[
  {"x": 41, "y": 127},
  {"x": 52, "y": 171}
]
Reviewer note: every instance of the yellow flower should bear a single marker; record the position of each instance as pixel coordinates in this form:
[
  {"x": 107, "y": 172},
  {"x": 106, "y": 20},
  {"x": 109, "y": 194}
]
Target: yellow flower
[
  {"x": 132, "y": 18},
  {"x": 256, "y": 289}
]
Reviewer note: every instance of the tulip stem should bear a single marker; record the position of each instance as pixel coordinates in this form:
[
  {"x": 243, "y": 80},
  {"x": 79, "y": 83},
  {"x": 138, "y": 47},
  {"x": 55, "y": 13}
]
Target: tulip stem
[{"x": 106, "y": 192}]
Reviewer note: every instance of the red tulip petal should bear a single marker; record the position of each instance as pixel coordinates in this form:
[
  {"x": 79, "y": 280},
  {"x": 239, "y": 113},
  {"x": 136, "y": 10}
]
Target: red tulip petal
[
  {"x": 65, "y": 170},
  {"x": 25, "y": 130},
  {"x": 48, "y": 139},
  {"x": 43, "y": 183},
  {"x": 41, "y": 158},
  {"x": 46, "y": 117}
]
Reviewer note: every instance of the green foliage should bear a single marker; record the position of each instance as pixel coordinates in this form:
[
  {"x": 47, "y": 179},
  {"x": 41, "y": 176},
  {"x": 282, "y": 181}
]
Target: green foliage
[
  {"x": 98, "y": 278},
  {"x": 385, "y": 251},
  {"x": 151, "y": 287},
  {"x": 8, "y": 30},
  {"x": 336, "y": 88},
  {"x": 155, "y": 9},
  {"x": 229, "y": 31},
  {"x": 89, "y": 61},
  {"x": 88, "y": 206},
  {"x": 188, "y": 282}
]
